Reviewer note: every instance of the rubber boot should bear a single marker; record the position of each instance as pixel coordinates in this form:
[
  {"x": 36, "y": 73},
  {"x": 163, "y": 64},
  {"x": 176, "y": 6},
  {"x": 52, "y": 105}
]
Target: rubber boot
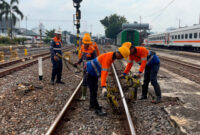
[
  {"x": 158, "y": 94},
  {"x": 83, "y": 96},
  {"x": 144, "y": 92}
]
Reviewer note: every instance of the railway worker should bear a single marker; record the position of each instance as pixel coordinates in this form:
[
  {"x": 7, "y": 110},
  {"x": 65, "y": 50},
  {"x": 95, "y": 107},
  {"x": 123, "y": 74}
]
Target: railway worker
[
  {"x": 98, "y": 67},
  {"x": 150, "y": 62},
  {"x": 55, "y": 49},
  {"x": 87, "y": 53}
]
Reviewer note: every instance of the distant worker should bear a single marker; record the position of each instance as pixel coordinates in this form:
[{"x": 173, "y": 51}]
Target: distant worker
[
  {"x": 55, "y": 49},
  {"x": 87, "y": 53},
  {"x": 94, "y": 44},
  {"x": 150, "y": 62},
  {"x": 98, "y": 67}
]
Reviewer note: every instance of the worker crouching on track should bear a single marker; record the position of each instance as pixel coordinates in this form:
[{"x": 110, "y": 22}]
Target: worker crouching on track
[
  {"x": 87, "y": 53},
  {"x": 55, "y": 49},
  {"x": 150, "y": 62},
  {"x": 98, "y": 67}
]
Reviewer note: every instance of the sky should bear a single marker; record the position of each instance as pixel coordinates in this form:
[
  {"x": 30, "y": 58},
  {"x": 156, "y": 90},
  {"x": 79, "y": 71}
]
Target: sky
[{"x": 160, "y": 14}]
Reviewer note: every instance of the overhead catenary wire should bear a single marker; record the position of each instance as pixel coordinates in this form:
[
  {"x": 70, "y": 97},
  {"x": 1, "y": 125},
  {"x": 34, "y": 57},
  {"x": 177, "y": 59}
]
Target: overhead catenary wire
[{"x": 162, "y": 11}]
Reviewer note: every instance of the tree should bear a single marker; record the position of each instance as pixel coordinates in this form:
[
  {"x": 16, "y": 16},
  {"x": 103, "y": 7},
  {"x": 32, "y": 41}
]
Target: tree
[
  {"x": 113, "y": 24},
  {"x": 50, "y": 33},
  {"x": 10, "y": 11}
]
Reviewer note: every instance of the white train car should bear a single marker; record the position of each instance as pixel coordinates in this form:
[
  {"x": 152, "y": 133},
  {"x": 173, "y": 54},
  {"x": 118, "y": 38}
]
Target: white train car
[{"x": 187, "y": 37}]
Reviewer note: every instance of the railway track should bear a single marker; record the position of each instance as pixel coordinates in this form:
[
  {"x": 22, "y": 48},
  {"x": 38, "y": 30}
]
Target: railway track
[
  {"x": 71, "y": 109},
  {"x": 195, "y": 56},
  {"x": 15, "y": 65},
  {"x": 187, "y": 70}
]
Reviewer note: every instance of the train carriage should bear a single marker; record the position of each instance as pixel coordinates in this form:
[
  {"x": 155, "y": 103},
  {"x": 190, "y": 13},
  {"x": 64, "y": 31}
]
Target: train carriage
[
  {"x": 128, "y": 35},
  {"x": 182, "y": 38}
]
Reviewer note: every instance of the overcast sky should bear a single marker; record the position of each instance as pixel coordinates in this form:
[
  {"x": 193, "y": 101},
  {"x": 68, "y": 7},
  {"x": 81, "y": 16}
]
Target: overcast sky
[{"x": 59, "y": 13}]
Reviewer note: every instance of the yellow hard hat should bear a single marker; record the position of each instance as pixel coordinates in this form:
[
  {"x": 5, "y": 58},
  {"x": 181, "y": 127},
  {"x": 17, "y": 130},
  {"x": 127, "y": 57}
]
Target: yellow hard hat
[
  {"x": 86, "y": 40},
  {"x": 124, "y": 51},
  {"x": 127, "y": 44},
  {"x": 87, "y": 34}
]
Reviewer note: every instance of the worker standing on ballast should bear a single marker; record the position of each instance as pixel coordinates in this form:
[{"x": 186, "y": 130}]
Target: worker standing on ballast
[
  {"x": 87, "y": 53},
  {"x": 55, "y": 49},
  {"x": 98, "y": 67},
  {"x": 149, "y": 61}
]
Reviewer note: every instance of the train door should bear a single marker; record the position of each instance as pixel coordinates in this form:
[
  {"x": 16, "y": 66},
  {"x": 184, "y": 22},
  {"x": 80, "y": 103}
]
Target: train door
[
  {"x": 167, "y": 39},
  {"x": 129, "y": 37}
]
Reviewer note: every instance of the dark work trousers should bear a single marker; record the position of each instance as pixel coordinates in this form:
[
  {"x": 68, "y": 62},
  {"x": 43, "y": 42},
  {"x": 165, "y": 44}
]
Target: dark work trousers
[
  {"x": 92, "y": 82},
  {"x": 84, "y": 78},
  {"x": 150, "y": 74},
  {"x": 56, "y": 70}
]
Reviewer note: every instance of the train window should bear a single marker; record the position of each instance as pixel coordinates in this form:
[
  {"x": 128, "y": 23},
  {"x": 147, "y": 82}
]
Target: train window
[
  {"x": 175, "y": 36},
  {"x": 186, "y": 36},
  {"x": 182, "y": 36},
  {"x": 179, "y": 36},
  {"x": 195, "y": 35},
  {"x": 199, "y": 35},
  {"x": 190, "y": 36}
]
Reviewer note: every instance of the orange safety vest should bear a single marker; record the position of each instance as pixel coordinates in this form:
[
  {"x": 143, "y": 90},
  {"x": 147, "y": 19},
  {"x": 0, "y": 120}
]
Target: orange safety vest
[
  {"x": 100, "y": 65},
  {"x": 87, "y": 53},
  {"x": 140, "y": 57}
]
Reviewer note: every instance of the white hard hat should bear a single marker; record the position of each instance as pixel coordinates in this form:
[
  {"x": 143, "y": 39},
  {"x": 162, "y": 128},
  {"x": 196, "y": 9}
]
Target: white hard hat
[{"x": 58, "y": 32}]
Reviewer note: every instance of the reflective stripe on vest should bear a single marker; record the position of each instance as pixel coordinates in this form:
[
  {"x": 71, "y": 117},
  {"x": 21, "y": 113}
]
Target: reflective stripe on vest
[
  {"x": 95, "y": 64},
  {"x": 57, "y": 48},
  {"x": 95, "y": 68},
  {"x": 145, "y": 58},
  {"x": 130, "y": 61},
  {"x": 104, "y": 69},
  {"x": 151, "y": 57}
]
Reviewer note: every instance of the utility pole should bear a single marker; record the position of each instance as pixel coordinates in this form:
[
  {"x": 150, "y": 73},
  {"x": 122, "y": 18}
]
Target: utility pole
[
  {"x": 40, "y": 30},
  {"x": 76, "y": 4},
  {"x": 26, "y": 25}
]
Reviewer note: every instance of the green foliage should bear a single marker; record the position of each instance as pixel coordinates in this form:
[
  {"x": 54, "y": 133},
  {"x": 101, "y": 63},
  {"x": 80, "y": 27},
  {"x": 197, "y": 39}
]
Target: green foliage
[
  {"x": 50, "y": 33},
  {"x": 19, "y": 40},
  {"x": 113, "y": 24},
  {"x": 47, "y": 40},
  {"x": 10, "y": 10},
  {"x": 7, "y": 40}
]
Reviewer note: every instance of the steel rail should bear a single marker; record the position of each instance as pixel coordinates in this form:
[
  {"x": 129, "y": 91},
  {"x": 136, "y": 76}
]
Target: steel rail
[
  {"x": 10, "y": 69},
  {"x": 60, "y": 115},
  {"x": 195, "y": 66},
  {"x": 131, "y": 126},
  {"x": 9, "y": 63}
]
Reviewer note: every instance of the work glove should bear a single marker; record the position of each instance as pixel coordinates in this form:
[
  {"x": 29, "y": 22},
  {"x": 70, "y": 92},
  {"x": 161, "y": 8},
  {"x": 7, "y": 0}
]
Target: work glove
[
  {"x": 56, "y": 58},
  {"x": 104, "y": 91},
  {"x": 75, "y": 64},
  {"x": 122, "y": 76},
  {"x": 138, "y": 75}
]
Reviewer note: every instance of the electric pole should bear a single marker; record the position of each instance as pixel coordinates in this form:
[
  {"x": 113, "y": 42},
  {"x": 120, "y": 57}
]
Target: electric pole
[{"x": 76, "y": 19}]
